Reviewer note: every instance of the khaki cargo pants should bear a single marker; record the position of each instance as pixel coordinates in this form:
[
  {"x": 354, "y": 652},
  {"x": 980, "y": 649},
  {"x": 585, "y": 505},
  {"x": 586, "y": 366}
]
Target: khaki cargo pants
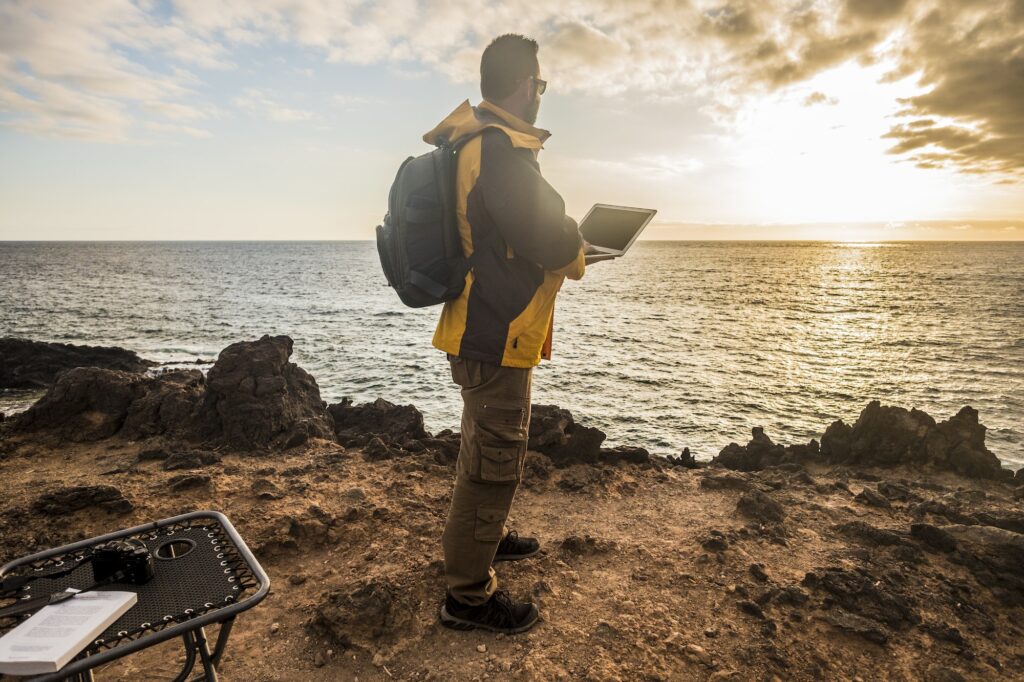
[{"x": 495, "y": 428}]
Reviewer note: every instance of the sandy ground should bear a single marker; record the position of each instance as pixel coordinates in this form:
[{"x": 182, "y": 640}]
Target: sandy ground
[{"x": 645, "y": 573}]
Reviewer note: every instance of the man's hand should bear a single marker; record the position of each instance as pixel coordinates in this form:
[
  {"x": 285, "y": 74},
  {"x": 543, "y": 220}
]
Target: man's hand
[{"x": 592, "y": 255}]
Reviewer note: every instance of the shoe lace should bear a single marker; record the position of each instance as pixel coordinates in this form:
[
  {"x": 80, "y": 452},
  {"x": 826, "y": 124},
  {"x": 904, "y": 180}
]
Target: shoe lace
[{"x": 501, "y": 616}]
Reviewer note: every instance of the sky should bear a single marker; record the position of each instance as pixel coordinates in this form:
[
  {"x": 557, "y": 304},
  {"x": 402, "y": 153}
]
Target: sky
[{"x": 287, "y": 119}]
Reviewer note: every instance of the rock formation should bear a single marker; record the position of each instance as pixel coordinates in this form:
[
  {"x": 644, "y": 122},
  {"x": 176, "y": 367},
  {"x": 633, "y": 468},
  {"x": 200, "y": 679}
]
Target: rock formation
[
  {"x": 35, "y": 364},
  {"x": 255, "y": 397},
  {"x": 554, "y": 432},
  {"x": 252, "y": 398},
  {"x": 882, "y": 436},
  {"x": 358, "y": 424}
]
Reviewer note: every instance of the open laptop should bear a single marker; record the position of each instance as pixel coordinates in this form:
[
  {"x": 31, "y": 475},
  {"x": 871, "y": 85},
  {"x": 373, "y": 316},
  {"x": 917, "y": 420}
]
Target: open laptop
[{"x": 612, "y": 230}]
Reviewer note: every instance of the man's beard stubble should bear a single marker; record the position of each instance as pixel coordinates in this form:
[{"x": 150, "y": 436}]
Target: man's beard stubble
[{"x": 531, "y": 113}]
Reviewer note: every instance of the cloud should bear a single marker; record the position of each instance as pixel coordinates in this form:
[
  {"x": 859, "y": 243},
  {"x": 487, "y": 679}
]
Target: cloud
[
  {"x": 261, "y": 103},
  {"x": 819, "y": 98},
  {"x": 83, "y": 69},
  {"x": 67, "y": 69},
  {"x": 970, "y": 56}
]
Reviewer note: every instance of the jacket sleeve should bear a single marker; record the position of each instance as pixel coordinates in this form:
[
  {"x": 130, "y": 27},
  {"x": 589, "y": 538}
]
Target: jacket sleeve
[{"x": 527, "y": 211}]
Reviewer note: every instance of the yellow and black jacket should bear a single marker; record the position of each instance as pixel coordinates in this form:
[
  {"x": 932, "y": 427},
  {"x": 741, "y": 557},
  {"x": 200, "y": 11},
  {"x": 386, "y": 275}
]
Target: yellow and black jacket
[{"x": 515, "y": 224}]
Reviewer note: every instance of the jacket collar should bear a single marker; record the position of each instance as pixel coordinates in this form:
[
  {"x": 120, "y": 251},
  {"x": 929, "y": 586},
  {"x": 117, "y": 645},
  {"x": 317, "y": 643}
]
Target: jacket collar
[
  {"x": 468, "y": 120},
  {"x": 514, "y": 121}
]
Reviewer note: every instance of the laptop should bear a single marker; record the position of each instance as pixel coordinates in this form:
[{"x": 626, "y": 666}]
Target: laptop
[{"x": 612, "y": 230}]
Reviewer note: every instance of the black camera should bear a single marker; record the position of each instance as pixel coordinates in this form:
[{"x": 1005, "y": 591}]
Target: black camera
[{"x": 122, "y": 561}]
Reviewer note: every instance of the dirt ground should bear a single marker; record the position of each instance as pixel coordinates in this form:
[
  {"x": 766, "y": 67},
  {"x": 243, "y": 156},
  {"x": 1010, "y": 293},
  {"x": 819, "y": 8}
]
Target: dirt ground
[{"x": 646, "y": 572}]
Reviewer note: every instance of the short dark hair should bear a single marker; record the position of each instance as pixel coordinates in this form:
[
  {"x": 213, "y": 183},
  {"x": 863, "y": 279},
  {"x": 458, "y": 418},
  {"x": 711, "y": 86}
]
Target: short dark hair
[{"x": 507, "y": 61}]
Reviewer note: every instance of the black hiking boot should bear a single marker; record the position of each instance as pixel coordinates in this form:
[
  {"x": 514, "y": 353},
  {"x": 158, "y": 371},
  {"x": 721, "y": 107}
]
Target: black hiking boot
[
  {"x": 498, "y": 614},
  {"x": 513, "y": 547}
]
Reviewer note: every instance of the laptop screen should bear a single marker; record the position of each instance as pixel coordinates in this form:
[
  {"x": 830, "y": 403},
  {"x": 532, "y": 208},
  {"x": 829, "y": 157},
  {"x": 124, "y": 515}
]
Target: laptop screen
[{"x": 612, "y": 228}]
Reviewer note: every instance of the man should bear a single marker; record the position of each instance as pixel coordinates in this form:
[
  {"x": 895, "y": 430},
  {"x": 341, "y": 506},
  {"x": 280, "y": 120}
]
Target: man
[{"x": 522, "y": 246}]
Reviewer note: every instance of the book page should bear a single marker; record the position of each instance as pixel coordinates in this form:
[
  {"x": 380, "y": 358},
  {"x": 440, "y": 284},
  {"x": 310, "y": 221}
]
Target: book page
[{"x": 56, "y": 633}]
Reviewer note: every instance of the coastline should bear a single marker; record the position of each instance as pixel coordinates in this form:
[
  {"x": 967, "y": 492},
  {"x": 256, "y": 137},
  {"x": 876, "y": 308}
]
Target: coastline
[{"x": 801, "y": 568}]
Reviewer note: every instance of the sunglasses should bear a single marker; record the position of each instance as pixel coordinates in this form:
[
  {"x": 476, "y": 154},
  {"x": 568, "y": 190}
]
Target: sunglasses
[{"x": 541, "y": 85}]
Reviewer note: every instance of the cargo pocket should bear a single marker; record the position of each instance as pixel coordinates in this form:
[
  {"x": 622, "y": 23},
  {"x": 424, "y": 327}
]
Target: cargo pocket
[
  {"x": 489, "y": 524},
  {"x": 499, "y": 462},
  {"x": 502, "y": 423},
  {"x": 466, "y": 373}
]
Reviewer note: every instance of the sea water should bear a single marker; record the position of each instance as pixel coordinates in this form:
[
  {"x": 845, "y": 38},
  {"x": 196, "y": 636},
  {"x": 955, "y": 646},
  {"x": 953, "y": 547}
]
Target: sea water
[{"x": 678, "y": 344}]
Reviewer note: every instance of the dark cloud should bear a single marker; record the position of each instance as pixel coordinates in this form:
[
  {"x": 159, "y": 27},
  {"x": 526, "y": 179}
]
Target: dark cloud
[
  {"x": 875, "y": 10},
  {"x": 970, "y": 57},
  {"x": 736, "y": 22},
  {"x": 967, "y": 56}
]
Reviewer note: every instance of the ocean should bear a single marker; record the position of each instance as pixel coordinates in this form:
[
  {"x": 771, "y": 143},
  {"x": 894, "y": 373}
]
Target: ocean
[{"x": 678, "y": 344}]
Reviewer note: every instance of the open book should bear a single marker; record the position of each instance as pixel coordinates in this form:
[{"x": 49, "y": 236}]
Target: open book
[{"x": 57, "y": 633}]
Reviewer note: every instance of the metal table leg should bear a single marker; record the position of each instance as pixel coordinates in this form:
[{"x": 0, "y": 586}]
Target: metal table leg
[
  {"x": 209, "y": 666},
  {"x": 222, "y": 639},
  {"x": 190, "y": 658}
]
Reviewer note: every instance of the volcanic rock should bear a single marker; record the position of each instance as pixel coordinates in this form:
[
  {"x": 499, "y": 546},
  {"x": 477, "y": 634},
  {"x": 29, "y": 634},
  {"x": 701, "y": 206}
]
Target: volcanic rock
[
  {"x": 169, "y": 407},
  {"x": 355, "y": 618},
  {"x": 867, "y": 534},
  {"x": 35, "y": 364},
  {"x": 86, "y": 404},
  {"x": 189, "y": 460},
  {"x": 995, "y": 556},
  {"x": 261, "y": 399},
  {"x": 761, "y": 507},
  {"x": 761, "y": 452},
  {"x": 725, "y": 481},
  {"x": 934, "y": 537},
  {"x": 887, "y": 435},
  {"x": 625, "y": 453},
  {"x": 184, "y": 482},
  {"x": 72, "y": 499},
  {"x": 252, "y": 398},
  {"x": 872, "y": 499},
  {"x": 357, "y": 424},
  {"x": 685, "y": 460},
  {"x": 549, "y": 425},
  {"x": 861, "y": 593},
  {"x": 554, "y": 432},
  {"x": 869, "y": 629}
]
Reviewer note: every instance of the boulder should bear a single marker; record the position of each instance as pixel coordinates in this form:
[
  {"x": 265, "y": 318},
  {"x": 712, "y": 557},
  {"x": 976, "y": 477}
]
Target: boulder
[
  {"x": 761, "y": 453},
  {"x": 71, "y": 499},
  {"x": 994, "y": 555},
  {"x": 86, "y": 404},
  {"x": 625, "y": 453},
  {"x": 357, "y": 424},
  {"x": 869, "y": 535},
  {"x": 35, "y": 364},
  {"x": 549, "y": 425},
  {"x": 872, "y": 499},
  {"x": 760, "y": 507},
  {"x": 169, "y": 407},
  {"x": 359, "y": 617},
  {"x": 685, "y": 460},
  {"x": 255, "y": 397},
  {"x": 554, "y": 432},
  {"x": 888, "y": 435},
  {"x": 865, "y": 595}
]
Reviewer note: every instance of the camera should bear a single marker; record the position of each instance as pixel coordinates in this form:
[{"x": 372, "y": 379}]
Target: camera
[{"x": 122, "y": 561}]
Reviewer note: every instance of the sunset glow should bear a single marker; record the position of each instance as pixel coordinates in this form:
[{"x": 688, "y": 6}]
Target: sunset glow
[{"x": 833, "y": 119}]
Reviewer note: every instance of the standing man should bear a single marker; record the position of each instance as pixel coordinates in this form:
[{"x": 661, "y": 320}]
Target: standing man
[{"x": 513, "y": 224}]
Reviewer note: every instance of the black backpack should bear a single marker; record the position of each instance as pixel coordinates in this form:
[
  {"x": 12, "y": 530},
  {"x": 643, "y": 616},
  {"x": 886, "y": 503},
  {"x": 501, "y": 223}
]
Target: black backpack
[{"x": 419, "y": 244}]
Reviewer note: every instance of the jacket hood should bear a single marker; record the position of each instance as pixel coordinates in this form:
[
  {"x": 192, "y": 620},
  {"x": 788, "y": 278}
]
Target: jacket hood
[{"x": 469, "y": 120}]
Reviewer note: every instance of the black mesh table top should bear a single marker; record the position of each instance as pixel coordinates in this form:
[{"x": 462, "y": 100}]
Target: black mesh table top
[{"x": 203, "y": 573}]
